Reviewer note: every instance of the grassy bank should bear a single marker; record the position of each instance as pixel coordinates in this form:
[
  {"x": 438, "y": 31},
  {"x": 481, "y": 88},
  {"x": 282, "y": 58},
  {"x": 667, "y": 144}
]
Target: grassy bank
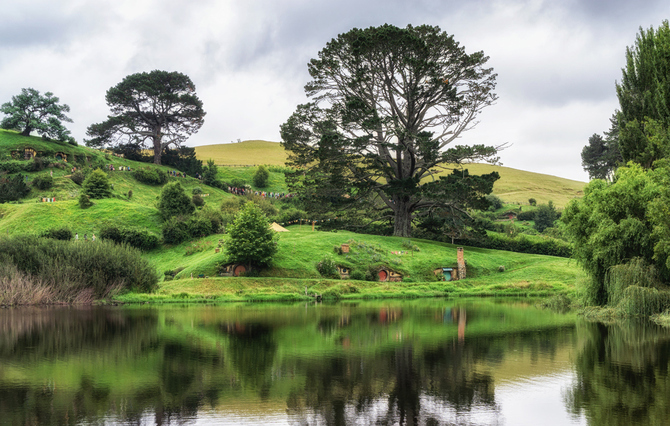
[{"x": 227, "y": 289}]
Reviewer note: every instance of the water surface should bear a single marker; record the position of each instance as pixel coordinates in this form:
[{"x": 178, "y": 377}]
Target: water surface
[{"x": 427, "y": 362}]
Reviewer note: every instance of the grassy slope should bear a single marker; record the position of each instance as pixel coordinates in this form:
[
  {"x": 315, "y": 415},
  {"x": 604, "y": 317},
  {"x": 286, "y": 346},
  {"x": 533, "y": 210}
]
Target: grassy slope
[
  {"x": 514, "y": 186},
  {"x": 34, "y": 217},
  {"x": 301, "y": 248}
]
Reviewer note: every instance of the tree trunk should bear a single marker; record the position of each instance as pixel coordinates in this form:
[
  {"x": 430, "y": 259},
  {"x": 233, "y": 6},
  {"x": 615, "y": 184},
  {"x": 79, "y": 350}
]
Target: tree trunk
[
  {"x": 26, "y": 131},
  {"x": 402, "y": 221},
  {"x": 157, "y": 149}
]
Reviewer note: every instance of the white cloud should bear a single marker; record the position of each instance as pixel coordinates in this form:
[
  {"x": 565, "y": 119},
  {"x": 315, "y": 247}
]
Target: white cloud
[{"x": 556, "y": 62}]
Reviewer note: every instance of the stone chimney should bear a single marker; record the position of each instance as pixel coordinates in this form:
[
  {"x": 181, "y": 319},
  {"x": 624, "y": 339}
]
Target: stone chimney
[{"x": 461, "y": 263}]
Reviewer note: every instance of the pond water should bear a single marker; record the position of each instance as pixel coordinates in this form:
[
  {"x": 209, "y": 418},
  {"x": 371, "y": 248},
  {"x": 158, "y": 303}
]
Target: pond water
[{"x": 425, "y": 362}]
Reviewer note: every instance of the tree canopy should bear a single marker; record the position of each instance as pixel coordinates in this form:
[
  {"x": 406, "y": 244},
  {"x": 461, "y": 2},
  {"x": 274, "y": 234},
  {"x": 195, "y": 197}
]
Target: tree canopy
[
  {"x": 386, "y": 103},
  {"x": 158, "y": 109},
  {"x": 644, "y": 98},
  {"x": 616, "y": 222},
  {"x": 30, "y": 111}
]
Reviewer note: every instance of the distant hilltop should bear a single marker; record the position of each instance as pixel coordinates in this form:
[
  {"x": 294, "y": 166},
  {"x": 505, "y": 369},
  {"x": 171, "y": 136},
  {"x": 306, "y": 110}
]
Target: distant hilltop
[{"x": 514, "y": 186}]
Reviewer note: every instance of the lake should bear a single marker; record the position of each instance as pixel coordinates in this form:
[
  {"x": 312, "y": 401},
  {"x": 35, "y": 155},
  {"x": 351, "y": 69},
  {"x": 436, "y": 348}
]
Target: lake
[{"x": 421, "y": 362}]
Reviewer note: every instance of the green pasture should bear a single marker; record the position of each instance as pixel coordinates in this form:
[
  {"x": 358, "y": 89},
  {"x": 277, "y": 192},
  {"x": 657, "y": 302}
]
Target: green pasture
[{"x": 514, "y": 186}]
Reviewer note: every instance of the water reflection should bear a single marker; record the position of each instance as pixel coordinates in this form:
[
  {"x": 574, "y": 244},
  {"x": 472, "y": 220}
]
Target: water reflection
[
  {"x": 422, "y": 362},
  {"x": 622, "y": 374}
]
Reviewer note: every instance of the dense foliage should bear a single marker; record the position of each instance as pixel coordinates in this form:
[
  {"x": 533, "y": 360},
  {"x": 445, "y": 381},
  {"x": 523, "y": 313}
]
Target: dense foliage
[
  {"x": 644, "y": 98},
  {"x": 251, "y": 240},
  {"x": 43, "y": 182},
  {"x": 261, "y": 177},
  {"x": 13, "y": 188},
  {"x": 174, "y": 201},
  {"x": 98, "y": 267},
  {"x": 134, "y": 237},
  {"x": 386, "y": 104},
  {"x": 545, "y": 216},
  {"x": 150, "y": 176},
  {"x": 601, "y": 156},
  {"x": 63, "y": 233},
  {"x": 96, "y": 185},
  {"x": 159, "y": 108},
  {"x": 615, "y": 223}
]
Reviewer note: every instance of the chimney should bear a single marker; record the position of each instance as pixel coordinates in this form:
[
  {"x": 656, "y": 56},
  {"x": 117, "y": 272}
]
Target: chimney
[{"x": 461, "y": 263}]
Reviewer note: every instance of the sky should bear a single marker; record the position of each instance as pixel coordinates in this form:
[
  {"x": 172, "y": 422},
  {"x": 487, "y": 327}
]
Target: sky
[{"x": 557, "y": 61}]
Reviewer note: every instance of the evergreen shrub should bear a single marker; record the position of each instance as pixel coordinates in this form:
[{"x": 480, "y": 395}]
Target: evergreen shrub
[
  {"x": 150, "y": 176},
  {"x": 64, "y": 233},
  {"x": 96, "y": 185},
  {"x": 13, "y": 188},
  {"x": 43, "y": 182},
  {"x": 134, "y": 237}
]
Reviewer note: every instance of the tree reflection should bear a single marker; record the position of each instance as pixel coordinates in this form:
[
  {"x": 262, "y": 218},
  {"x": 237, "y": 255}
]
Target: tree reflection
[{"x": 622, "y": 374}]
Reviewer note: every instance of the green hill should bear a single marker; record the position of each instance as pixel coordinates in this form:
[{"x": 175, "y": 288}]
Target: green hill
[
  {"x": 514, "y": 186},
  {"x": 32, "y": 215},
  {"x": 294, "y": 267}
]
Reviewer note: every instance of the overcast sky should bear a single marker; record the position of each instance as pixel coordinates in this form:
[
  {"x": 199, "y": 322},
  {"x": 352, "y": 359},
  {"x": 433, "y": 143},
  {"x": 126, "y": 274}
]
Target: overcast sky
[{"x": 557, "y": 61}]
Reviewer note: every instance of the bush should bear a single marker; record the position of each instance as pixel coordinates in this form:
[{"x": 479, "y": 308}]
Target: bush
[
  {"x": 532, "y": 201},
  {"x": 545, "y": 216},
  {"x": 261, "y": 177},
  {"x": 174, "y": 201},
  {"x": 357, "y": 275},
  {"x": 198, "y": 201},
  {"x": 494, "y": 201},
  {"x": 214, "y": 217},
  {"x": 130, "y": 194},
  {"x": 372, "y": 274},
  {"x": 43, "y": 182},
  {"x": 526, "y": 216},
  {"x": 84, "y": 201},
  {"x": 76, "y": 267},
  {"x": 13, "y": 188},
  {"x": 13, "y": 166},
  {"x": 251, "y": 240},
  {"x": 138, "y": 238},
  {"x": 96, "y": 185},
  {"x": 174, "y": 231},
  {"x": 150, "y": 176},
  {"x": 64, "y": 234},
  {"x": 522, "y": 244},
  {"x": 196, "y": 191},
  {"x": 198, "y": 227},
  {"x": 78, "y": 177},
  {"x": 238, "y": 183},
  {"x": 327, "y": 268}
]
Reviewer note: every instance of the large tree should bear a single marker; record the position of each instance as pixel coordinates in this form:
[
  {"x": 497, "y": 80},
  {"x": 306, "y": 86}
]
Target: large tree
[
  {"x": 644, "y": 98},
  {"x": 601, "y": 156},
  {"x": 158, "y": 108},
  {"x": 30, "y": 111},
  {"x": 386, "y": 102}
]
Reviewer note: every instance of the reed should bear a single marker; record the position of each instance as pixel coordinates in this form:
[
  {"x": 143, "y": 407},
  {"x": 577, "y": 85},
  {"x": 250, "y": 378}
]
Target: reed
[{"x": 69, "y": 271}]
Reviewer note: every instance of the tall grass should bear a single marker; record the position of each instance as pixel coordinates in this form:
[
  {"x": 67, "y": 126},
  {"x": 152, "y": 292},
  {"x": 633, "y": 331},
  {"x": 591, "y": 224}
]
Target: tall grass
[{"x": 69, "y": 271}]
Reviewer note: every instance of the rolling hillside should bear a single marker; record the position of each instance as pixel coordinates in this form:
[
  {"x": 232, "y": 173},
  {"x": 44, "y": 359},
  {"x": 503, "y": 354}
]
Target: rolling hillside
[{"x": 514, "y": 186}]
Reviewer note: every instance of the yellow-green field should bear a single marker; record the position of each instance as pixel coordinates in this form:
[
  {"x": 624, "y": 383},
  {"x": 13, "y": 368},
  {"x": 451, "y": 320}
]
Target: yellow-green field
[
  {"x": 514, "y": 186},
  {"x": 247, "y": 153}
]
